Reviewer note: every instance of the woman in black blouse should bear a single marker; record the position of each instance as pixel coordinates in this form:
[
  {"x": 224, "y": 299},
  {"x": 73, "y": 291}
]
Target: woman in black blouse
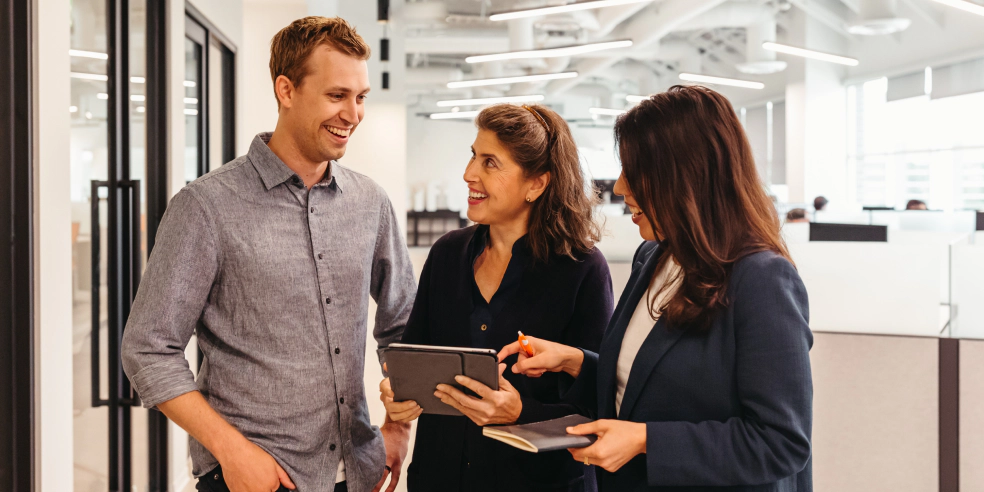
[{"x": 529, "y": 265}]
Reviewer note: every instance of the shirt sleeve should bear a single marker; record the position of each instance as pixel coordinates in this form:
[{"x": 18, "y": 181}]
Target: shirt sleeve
[
  {"x": 392, "y": 285},
  {"x": 771, "y": 440},
  {"x": 592, "y": 312},
  {"x": 172, "y": 294}
]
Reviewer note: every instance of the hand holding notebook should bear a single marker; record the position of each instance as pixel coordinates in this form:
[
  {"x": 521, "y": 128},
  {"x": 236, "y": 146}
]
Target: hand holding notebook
[{"x": 540, "y": 437}]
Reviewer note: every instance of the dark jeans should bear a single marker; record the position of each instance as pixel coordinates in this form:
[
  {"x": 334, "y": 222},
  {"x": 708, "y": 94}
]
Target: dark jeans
[{"x": 213, "y": 481}]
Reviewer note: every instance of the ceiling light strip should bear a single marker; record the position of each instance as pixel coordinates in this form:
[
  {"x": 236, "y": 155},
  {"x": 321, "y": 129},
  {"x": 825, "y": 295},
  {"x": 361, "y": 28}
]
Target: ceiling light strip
[
  {"x": 454, "y": 115},
  {"x": 88, "y": 54},
  {"x": 805, "y": 53},
  {"x": 511, "y": 80},
  {"x": 551, "y": 52},
  {"x": 707, "y": 79},
  {"x": 490, "y": 100},
  {"x": 560, "y": 9},
  {"x": 962, "y": 5},
  {"x": 607, "y": 111}
]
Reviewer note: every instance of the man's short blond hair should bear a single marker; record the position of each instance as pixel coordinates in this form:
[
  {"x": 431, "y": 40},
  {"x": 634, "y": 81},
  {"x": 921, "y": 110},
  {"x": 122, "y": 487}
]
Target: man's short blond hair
[{"x": 291, "y": 47}]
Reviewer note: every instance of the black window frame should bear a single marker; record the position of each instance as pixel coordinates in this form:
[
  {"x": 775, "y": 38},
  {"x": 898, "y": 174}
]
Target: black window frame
[
  {"x": 200, "y": 30},
  {"x": 17, "y": 406}
]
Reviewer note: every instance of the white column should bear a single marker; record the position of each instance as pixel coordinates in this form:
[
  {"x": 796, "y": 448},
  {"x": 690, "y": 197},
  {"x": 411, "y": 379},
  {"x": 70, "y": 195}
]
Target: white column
[
  {"x": 53, "y": 247},
  {"x": 816, "y": 110}
]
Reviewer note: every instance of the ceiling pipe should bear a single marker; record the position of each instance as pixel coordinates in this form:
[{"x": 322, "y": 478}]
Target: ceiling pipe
[
  {"x": 645, "y": 30},
  {"x": 758, "y": 60},
  {"x": 878, "y": 17},
  {"x": 610, "y": 18}
]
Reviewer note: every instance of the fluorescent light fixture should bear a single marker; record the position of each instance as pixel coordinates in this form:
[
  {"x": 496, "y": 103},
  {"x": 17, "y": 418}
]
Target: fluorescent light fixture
[
  {"x": 574, "y": 7},
  {"x": 190, "y": 100},
  {"x": 636, "y": 99},
  {"x": 962, "y": 5},
  {"x": 102, "y": 96},
  {"x": 89, "y": 76},
  {"x": 191, "y": 112},
  {"x": 88, "y": 115},
  {"x": 607, "y": 111},
  {"x": 138, "y": 80},
  {"x": 551, "y": 52},
  {"x": 138, "y": 98},
  {"x": 454, "y": 114},
  {"x": 141, "y": 109},
  {"x": 190, "y": 83},
  {"x": 73, "y": 109},
  {"x": 88, "y": 54},
  {"x": 707, "y": 79},
  {"x": 489, "y": 100},
  {"x": 805, "y": 53},
  {"x": 511, "y": 80}
]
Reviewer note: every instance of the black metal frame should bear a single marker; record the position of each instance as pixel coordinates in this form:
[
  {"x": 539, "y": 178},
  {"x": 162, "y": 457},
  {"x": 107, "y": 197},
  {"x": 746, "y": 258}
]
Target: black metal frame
[
  {"x": 17, "y": 437},
  {"x": 205, "y": 34},
  {"x": 157, "y": 195}
]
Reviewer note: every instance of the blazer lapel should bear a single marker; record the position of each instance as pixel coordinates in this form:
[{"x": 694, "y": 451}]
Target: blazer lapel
[
  {"x": 611, "y": 344},
  {"x": 657, "y": 344}
]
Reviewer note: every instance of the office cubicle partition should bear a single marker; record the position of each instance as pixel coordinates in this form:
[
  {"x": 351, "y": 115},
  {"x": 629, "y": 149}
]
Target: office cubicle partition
[{"x": 848, "y": 232}]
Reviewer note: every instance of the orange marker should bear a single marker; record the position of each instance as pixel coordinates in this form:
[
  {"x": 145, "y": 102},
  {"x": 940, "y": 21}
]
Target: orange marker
[{"x": 523, "y": 342}]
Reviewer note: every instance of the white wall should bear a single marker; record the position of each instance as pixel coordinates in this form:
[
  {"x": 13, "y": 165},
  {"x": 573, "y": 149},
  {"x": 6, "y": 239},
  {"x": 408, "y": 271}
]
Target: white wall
[
  {"x": 437, "y": 153},
  {"x": 261, "y": 21},
  {"x": 53, "y": 248},
  {"x": 816, "y": 116},
  {"x": 960, "y": 35}
]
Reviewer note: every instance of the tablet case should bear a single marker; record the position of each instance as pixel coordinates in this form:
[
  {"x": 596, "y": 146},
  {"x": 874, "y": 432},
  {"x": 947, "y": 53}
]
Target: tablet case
[{"x": 414, "y": 375}]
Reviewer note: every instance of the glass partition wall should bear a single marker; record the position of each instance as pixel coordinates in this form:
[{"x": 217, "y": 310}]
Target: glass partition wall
[{"x": 110, "y": 174}]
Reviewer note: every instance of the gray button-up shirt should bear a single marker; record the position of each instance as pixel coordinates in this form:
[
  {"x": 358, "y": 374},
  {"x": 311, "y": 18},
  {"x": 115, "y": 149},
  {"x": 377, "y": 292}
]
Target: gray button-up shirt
[{"x": 277, "y": 279}]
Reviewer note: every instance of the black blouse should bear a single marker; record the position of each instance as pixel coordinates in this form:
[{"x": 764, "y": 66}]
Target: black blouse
[{"x": 564, "y": 300}]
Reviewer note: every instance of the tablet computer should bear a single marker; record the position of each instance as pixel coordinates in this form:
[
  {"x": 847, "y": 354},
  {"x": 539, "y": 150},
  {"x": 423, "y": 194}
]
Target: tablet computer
[{"x": 416, "y": 370}]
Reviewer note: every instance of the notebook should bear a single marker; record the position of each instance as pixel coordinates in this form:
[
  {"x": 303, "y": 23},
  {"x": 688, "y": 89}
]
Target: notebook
[{"x": 540, "y": 437}]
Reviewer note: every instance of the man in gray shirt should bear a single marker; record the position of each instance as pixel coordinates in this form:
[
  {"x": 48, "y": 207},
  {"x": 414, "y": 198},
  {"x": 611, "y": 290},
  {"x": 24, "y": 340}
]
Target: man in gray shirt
[{"x": 274, "y": 257}]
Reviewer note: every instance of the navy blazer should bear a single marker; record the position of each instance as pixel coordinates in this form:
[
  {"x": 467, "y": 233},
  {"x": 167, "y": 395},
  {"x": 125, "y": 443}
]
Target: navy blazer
[
  {"x": 730, "y": 409},
  {"x": 564, "y": 300}
]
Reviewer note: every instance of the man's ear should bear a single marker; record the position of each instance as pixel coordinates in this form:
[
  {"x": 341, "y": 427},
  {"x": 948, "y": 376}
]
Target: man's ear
[{"x": 285, "y": 90}]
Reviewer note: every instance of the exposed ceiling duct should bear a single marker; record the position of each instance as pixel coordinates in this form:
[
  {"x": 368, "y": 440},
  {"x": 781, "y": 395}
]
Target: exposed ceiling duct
[
  {"x": 758, "y": 60},
  {"x": 646, "y": 30},
  {"x": 878, "y": 17}
]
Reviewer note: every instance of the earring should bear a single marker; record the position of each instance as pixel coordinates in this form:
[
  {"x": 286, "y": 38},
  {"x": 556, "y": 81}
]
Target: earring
[{"x": 528, "y": 200}]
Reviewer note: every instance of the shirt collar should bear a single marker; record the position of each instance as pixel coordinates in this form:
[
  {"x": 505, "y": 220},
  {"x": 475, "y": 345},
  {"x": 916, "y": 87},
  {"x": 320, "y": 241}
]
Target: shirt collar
[
  {"x": 274, "y": 172},
  {"x": 520, "y": 250}
]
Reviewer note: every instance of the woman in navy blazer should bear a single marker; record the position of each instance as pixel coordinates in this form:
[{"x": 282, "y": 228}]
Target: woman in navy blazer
[{"x": 716, "y": 393}]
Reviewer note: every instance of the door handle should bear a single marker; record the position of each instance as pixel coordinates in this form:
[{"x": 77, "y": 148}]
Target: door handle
[
  {"x": 136, "y": 263},
  {"x": 96, "y": 244}
]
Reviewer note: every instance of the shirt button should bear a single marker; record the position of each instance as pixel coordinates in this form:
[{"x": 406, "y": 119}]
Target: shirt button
[
  {"x": 484, "y": 327},
  {"x": 312, "y": 210},
  {"x": 297, "y": 181},
  {"x": 338, "y": 350},
  {"x": 327, "y": 300},
  {"x": 332, "y": 447},
  {"x": 341, "y": 400},
  {"x": 321, "y": 256}
]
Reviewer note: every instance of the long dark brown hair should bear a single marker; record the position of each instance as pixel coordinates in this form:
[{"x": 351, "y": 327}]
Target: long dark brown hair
[
  {"x": 540, "y": 141},
  {"x": 687, "y": 161}
]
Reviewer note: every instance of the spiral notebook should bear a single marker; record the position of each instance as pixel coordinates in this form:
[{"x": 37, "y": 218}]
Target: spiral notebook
[{"x": 540, "y": 437}]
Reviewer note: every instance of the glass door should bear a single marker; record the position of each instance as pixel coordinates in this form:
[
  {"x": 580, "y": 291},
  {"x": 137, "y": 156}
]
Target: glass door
[
  {"x": 209, "y": 97},
  {"x": 109, "y": 182}
]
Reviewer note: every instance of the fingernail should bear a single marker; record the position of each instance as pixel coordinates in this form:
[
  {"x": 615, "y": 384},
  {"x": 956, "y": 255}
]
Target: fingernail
[
  {"x": 457, "y": 378},
  {"x": 569, "y": 429}
]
